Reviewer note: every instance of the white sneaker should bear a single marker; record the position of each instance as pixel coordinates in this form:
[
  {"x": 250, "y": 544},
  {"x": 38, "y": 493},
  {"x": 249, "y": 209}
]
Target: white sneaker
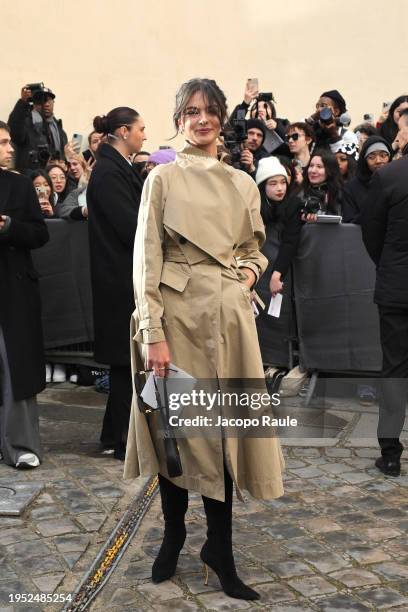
[
  {"x": 28, "y": 460},
  {"x": 59, "y": 374},
  {"x": 48, "y": 373},
  {"x": 73, "y": 378}
]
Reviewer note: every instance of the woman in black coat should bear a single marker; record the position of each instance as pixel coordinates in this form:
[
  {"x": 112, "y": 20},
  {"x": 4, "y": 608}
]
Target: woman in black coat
[
  {"x": 22, "y": 228},
  {"x": 374, "y": 154},
  {"x": 113, "y": 198}
]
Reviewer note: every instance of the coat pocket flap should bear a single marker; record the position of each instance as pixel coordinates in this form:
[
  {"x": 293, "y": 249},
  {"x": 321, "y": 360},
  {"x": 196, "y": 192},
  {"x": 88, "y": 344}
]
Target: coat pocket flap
[{"x": 174, "y": 276}]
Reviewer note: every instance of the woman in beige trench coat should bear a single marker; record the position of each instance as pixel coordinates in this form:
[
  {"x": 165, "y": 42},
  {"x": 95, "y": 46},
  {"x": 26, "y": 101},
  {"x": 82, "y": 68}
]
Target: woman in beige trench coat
[{"x": 196, "y": 259}]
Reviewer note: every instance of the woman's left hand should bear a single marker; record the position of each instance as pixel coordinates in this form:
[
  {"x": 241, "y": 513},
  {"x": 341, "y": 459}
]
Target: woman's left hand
[
  {"x": 309, "y": 218},
  {"x": 251, "y": 278}
]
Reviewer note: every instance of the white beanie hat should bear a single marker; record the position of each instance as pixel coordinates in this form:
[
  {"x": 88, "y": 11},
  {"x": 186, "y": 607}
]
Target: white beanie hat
[{"x": 268, "y": 167}]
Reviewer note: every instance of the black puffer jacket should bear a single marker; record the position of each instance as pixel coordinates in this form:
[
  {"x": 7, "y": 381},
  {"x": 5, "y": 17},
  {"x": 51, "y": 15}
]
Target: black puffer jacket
[{"x": 384, "y": 223}]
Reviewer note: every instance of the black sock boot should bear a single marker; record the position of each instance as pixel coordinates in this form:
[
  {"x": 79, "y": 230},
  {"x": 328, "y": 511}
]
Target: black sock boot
[
  {"x": 174, "y": 505},
  {"x": 217, "y": 551}
]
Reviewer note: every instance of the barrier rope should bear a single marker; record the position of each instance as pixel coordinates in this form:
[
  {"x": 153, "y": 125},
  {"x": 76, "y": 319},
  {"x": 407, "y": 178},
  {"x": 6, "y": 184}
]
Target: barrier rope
[{"x": 111, "y": 553}]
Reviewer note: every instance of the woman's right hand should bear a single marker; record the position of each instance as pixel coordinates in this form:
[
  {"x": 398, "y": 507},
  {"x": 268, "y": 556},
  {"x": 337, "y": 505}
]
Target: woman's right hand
[
  {"x": 46, "y": 208},
  {"x": 158, "y": 358},
  {"x": 275, "y": 284}
]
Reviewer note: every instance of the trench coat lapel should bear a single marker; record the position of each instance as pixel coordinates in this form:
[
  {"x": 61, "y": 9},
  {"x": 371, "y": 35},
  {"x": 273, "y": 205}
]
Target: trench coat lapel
[{"x": 216, "y": 197}]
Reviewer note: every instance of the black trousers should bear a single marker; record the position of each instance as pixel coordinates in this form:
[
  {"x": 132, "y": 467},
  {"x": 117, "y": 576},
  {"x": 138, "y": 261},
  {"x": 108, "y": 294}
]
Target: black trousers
[
  {"x": 116, "y": 419},
  {"x": 394, "y": 387}
]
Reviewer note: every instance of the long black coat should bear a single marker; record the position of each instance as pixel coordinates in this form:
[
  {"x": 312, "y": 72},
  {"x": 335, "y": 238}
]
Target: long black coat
[
  {"x": 384, "y": 224},
  {"x": 20, "y": 309},
  {"x": 113, "y": 198}
]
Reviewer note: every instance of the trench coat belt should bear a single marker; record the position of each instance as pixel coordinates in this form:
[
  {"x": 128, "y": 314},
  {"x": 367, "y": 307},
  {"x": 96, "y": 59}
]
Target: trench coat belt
[{"x": 178, "y": 257}]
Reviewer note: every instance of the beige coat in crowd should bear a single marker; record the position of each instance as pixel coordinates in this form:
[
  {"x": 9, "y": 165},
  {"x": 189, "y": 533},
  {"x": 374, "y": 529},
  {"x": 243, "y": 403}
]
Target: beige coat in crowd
[{"x": 199, "y": 222}]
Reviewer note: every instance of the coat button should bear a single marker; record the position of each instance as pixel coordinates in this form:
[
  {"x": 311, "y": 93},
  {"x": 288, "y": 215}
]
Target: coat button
[{"x": 182, "y": 240}]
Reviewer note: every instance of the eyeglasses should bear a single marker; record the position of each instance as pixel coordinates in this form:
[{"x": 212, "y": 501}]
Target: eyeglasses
[
  {"x": 193, "y": 111},
  {"x": 295, "y": 136},
  {"x": 382, "y": 155}
]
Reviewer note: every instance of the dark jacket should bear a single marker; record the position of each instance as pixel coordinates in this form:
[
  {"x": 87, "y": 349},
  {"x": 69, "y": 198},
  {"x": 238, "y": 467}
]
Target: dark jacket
[
  {"x": 282, "y": 227},
  {"x": 113, "y": 198},
  {"x": 27, "y": 137},
  {"x": 384, "y": 224},
  {"x": 20, "y": 309},
  {"x": 286, "y": 228},
  {"x": 356, "y": 189}
]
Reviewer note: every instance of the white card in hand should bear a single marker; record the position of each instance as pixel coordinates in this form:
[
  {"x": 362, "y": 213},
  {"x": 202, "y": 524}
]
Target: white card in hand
[
  {"x": 178, "y": 381},
  {"x": 275, "y": 306}
]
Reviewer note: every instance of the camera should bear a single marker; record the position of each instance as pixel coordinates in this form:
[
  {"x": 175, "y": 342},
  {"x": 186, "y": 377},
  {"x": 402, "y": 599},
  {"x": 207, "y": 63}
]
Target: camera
[
  {"x": 40, "y": 156},
  {"x": 266, "y": 97},
  {"x": 326, "y": 116},
  {"x": 234, "y": 136},
  {"x": 35, "y": 88},
  {"x": 313, "y": 201}
]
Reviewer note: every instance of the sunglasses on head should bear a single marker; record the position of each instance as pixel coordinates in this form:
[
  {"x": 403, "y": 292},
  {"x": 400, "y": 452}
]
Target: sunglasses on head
[{"x": 294, "y": 137}]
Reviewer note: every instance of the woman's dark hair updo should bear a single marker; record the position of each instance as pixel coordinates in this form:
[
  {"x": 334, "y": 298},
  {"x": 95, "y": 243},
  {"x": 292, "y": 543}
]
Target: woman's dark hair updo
[
  {"x": 210, "y": 92},
  {"x": 107, "y": 124}
]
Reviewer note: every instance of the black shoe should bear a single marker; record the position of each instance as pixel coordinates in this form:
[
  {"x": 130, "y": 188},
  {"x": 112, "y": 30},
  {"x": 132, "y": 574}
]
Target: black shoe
[
  {"x": 389, "y": 467},
  {"x": 224, "y": 567},
  {"x": 119, "y": 453},
  {"x": 165, "y": 564}
]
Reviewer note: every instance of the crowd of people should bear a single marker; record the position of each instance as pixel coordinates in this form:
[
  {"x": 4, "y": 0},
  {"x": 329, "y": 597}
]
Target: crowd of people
[
  {"x": 187, "y": 287},
  {"x": 304, "y": 169}
]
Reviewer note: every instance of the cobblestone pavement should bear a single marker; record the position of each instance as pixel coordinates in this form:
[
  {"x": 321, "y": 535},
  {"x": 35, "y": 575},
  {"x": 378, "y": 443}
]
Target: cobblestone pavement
[
  {"x": 82, "y": 496},
  {"x": 337, "y": 540}
]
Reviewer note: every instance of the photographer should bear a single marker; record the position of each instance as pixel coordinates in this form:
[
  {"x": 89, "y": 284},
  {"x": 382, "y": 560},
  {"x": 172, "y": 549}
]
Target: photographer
[
  {"x": 260, "y": 106},
  {"x": 329, "y": 121},
  {"x": 253, "y": 150},
  {"x": 322, "y": 187},
  {"x": 35, "y": 132}
]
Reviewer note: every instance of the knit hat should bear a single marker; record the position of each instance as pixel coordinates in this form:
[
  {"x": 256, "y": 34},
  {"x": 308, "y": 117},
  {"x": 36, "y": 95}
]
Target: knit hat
[
  {"x": 336, "y": 96},
  {"x": 162, "y": 156},
  {"x": 348, "y": 145},
  {"x": 269, "y": 167},
  {"x": 258, "y": 124},
  {"x": 377, "y": 146}
]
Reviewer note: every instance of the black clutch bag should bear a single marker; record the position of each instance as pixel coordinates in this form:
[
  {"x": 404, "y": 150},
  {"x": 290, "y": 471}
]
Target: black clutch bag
[{"x": 173, "y": 462}]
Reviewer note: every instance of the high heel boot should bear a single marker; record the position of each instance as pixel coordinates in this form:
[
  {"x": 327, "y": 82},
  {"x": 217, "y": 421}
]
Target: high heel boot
[
  {"x": 217, "y": 550},
  {"x": 174, "y": 505}
]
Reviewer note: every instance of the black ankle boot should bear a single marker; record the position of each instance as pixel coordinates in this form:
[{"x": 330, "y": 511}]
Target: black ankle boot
[
  {"x": 217, "y": 551},
  {"x": 223, "y": 565},
  {"x": 174, "y": 505}
]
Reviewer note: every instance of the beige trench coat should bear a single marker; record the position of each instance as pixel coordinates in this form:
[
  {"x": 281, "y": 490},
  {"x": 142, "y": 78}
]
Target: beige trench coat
[{"x": 199, "y": 222}]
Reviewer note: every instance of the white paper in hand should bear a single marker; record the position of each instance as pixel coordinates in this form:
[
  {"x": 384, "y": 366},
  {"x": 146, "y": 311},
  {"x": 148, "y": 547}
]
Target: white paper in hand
[
  {"x": 275, "y": 306},
  {"x": 178, "y": 381}
]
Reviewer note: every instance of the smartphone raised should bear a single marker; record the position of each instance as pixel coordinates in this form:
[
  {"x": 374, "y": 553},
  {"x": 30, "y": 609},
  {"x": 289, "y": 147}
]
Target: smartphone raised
[{"x": 77, "y": 142}]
